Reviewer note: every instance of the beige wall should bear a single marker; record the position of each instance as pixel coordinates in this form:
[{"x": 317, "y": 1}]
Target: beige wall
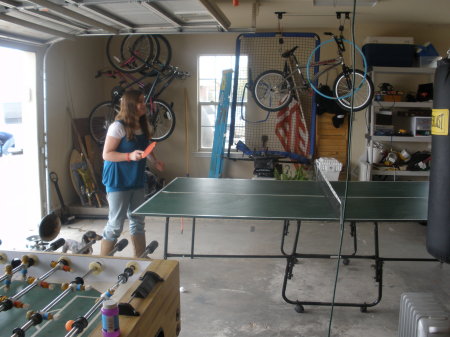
[
  {"x": 73, "y": 91},
  {"x": 71, "y": 84}
]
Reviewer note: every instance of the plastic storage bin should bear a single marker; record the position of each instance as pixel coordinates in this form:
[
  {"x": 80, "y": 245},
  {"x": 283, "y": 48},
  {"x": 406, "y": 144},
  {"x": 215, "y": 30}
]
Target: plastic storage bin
[
  {"x": 428, "y": 61},
  {"x": 389, "y": 55},
  {"x": 330, "y": 167}
]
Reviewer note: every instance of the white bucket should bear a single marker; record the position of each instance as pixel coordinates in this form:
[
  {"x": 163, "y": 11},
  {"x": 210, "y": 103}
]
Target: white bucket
[
  {"x": 364, "y": 174},
  {"x": 375, "y": 155}
]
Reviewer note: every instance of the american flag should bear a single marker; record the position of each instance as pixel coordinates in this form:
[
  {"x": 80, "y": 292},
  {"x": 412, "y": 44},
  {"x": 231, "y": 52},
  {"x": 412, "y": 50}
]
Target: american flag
[{"x": 292, "y": 130}]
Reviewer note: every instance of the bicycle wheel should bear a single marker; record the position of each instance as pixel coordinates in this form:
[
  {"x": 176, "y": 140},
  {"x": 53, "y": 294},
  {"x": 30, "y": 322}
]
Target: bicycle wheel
[
  {"x": 130, "y": 53},
  {"x": 100, "y": 119},
  {"x": 162, "y": 118},
  {"x": 164, "y": 50},
  {"x": 163, "y": 53},
  {"x": 361, "y": 98},
  {"x": 143, "y": 45},
  {"x": 272, "y": 91}
]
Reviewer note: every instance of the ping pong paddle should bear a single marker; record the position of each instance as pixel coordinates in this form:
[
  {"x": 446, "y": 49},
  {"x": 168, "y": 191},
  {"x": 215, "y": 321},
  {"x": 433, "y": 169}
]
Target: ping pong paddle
[{"x": 149, "y": 149}]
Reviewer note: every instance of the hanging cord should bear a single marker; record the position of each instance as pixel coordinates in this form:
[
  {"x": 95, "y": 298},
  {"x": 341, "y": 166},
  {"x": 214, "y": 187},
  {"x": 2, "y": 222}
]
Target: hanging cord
[
  {"x": 280, "y": 30},
  {"x": 347, "y": 171}
]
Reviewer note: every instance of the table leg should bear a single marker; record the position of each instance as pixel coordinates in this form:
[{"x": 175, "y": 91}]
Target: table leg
[
  {"x": 193, "y": 238},
  {"x": 285, "y": 233},
  {"x": 291, "y": 261},
  {"x": 353, "y": 234},
  {"x": 346, "y": 261},
  {"x": 166, "y": 238}
]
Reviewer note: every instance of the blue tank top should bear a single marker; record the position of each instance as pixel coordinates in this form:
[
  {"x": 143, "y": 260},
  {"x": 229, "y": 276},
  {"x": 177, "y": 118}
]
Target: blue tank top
[{"x": 126, "y": 175}]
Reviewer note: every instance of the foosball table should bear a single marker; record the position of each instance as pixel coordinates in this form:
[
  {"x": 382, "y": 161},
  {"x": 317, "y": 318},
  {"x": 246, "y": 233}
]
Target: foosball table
[{"x": 54, "y": 294}]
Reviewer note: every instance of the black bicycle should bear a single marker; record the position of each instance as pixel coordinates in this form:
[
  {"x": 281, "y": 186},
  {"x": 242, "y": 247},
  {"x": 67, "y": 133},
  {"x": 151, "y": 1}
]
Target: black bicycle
[
  {"x": 133, "y": 53},
  {"x": 159, "y": 113}
]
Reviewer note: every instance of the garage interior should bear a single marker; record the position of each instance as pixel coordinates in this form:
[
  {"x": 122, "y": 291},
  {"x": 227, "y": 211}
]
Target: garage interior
[{"x": 221, "y": 297}]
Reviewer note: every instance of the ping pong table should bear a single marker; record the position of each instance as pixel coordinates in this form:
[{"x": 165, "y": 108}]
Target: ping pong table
[{"x": 291, "y": 201}]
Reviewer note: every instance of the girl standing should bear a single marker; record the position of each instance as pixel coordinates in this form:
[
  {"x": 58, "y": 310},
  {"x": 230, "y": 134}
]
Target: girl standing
[{"x": 124, "y": 170}]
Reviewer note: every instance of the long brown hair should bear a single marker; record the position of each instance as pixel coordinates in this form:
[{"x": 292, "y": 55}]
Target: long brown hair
[{"x": 128, "y": 115}]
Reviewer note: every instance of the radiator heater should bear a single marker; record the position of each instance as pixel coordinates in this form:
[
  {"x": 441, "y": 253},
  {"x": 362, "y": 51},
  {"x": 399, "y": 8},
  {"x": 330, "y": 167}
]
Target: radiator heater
[{"x": 421, "y": 315}]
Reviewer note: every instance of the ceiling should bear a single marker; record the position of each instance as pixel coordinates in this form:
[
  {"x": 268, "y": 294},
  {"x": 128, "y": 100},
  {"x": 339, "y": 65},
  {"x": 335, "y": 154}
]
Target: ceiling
[
  {"x": 304, "y": 13},
  {"x": 47, "y": 21}
]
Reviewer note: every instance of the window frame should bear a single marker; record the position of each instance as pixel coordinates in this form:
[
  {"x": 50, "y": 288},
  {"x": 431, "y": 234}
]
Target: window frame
[{"x": 201, "y": 104}]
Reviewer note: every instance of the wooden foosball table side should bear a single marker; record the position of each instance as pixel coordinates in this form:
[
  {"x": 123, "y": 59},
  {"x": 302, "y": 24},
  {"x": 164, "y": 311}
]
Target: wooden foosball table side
[{"x": 159, "y": 311}]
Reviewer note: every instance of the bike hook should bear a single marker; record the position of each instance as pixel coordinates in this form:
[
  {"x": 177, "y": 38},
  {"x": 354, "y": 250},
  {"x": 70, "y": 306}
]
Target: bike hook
[{"x": 280, "y": 17}]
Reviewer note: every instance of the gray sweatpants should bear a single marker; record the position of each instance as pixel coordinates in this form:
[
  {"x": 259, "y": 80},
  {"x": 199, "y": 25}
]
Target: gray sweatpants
[{"x": 121, "y": 204}]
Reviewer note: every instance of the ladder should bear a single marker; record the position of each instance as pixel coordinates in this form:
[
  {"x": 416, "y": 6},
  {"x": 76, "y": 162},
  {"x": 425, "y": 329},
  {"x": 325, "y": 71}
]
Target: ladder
[{"x": 220, "y": 128}]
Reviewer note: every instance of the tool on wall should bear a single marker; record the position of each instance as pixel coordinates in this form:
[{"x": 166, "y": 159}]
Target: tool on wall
[
  {"x": 66, "y": 218},
  {"x": 94, "y": 183}
]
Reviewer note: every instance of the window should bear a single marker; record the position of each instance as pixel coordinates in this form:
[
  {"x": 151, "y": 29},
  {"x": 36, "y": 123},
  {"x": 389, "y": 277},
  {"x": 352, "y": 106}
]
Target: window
[{"x": 209, "y": 80}]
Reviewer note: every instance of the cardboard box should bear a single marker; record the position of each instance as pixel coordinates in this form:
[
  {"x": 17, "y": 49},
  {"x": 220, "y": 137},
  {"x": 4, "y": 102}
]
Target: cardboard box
[{"x": 392, "y": 98}]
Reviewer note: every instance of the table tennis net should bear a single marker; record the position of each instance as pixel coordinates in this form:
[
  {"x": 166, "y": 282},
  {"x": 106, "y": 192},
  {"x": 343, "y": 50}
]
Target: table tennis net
[{"x": 328, "y": 190}]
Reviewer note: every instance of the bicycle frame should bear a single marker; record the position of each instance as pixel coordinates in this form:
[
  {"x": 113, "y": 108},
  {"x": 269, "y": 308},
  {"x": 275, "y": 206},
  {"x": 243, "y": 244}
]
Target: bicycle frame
[
  {"x": 159, "y": 79},
  {"x": 273, "y": 89},
  {"x": 295, "y": 68},
  {"x": 131, "y": 80},
  {"x": 166, "y": 74}
]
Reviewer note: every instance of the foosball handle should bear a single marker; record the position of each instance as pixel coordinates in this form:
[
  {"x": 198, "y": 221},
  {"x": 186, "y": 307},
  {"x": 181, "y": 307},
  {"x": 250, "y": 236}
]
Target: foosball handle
[{"x": 126, "y": 309}]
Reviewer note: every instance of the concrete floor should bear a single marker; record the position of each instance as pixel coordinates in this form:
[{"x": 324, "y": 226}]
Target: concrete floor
[{"x": 242, "y": 297}]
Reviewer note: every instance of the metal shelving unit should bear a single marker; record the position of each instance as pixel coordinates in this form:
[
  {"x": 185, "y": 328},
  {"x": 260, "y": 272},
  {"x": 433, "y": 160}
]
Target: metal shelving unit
[
  {"x": 377, "y": 74},
  {"x": 399, "y": 173}
]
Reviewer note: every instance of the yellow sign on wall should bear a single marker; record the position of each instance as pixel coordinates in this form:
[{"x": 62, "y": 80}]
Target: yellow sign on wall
[{"x": 439, "y": 122}]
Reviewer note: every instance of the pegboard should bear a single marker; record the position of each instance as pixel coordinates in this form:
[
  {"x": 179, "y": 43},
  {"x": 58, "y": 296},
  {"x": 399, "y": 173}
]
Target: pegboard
[{"x": 259, "y": 129}]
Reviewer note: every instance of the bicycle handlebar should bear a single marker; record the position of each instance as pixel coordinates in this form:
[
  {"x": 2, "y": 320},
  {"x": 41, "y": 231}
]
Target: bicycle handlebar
[
  {"x": 181, "y": 74},
  {"x": 109, "y": 73},
  {"x": 339, "y": 40},
  {"x": 167, "y": 70}
]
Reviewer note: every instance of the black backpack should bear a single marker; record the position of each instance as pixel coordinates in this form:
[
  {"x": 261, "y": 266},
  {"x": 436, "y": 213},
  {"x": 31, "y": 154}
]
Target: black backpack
[
  {"x": 329, "y": 105},
  {"x": 420, "y": 161}
]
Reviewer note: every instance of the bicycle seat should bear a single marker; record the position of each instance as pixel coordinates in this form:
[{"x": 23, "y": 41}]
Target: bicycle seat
[
  {"x": 117, "y": 92},
  {"x": 288, "y": 53}
]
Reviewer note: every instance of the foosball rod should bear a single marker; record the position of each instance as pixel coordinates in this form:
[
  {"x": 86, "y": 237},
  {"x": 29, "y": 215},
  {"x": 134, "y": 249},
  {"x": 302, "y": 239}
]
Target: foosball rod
[
  {"x": 26, "y": 262},
  {"x": 55, "y": 245},
  {"x": 150, "y": 248},
  {"x": 86, "y": 246},
  {"x": 82, "y": 322},
  {"x": 118, "y": 247},
  {"x": 37, "y": 317},
  {"x": 8, "y": 303}
]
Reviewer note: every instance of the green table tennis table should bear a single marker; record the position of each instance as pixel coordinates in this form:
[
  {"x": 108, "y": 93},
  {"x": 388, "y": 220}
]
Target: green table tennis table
[{"x": 291, "y": 201}]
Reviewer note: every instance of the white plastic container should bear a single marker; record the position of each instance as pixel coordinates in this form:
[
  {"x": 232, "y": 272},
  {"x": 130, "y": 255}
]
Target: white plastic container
[{"x": 330, "y": 167}]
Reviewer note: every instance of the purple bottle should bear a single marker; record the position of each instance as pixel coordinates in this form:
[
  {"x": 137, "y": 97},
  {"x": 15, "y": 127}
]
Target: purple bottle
[{"x": 110, "y": 319}]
